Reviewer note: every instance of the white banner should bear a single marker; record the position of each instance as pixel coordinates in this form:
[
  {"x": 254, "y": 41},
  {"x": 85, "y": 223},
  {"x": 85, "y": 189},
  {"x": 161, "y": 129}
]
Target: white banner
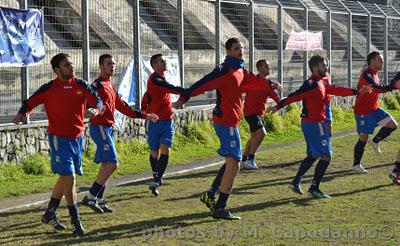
[
  {"x": 127, "y": 91},
  {"x": 127, "y": 84},
  {"x": 304, "y": 41},
  {"x": 171, "y": 75}
]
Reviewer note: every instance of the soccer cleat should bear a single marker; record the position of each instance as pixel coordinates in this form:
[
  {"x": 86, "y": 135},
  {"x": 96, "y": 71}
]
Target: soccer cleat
[
  {"x": 92, "y": 203},
  {"x": 103, "y": 205},
  {"x": 153, "y": 188},
  {"x": 224, "y": 214},
  {"x": 360, "y": 169},
  {"x": 208, "y": 201},
  {"x": 395, "y": 177},
  {"x": 296, "y": 188},
  {"x": 77, "y": 228},
  {"x": 250, "y": 164},
  {"x": 376, "y": 148},
  {"x": 317, "y": 194},
  {"x": 51, "y": 219}
]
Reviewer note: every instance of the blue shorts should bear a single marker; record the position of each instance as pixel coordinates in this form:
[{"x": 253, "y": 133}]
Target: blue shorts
[
  {"x": 317, "y": 139},
  {"x": 103, "y": 136},
  {"x": 230, "y": 141},
  {"x": 160, "y": 132},
  {"x": 328, "y": 113},
  {"x": 366, "y": 124},
  {"x": 66, "y": 155}
]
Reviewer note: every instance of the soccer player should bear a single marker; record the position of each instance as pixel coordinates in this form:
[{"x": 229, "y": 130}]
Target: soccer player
[
  {"x": 395, "y": 174},
  {"x": 254, "y": 109},
  {"x": 314, "y": 93},
  {"x": 230, "y": 79},
  {"x": 157, "y": 100},
  {"x": 64, "y": 99},
  {"x": 102, "y": 133},
  {"x": 367, "y": 112}
]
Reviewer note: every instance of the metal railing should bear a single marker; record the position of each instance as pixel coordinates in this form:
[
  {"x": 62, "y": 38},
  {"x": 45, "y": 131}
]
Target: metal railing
[{"x": 196, "y": 30}]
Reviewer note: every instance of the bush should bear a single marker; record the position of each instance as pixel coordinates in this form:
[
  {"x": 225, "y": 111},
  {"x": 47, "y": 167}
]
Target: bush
[
  {"x": 292, "y": 115},
  {"x": 273, "y": 123},
  {"x": 338, "y": 114},
  {"x": 391, "y": 102},
  {"x": 10, "y": 172},
  {"x": 36, "y": 165},
  {"x": 398, "y": 96}
]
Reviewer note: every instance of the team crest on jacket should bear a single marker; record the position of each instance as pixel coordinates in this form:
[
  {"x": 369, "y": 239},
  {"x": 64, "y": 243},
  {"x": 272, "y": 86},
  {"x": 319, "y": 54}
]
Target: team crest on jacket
[{"x": 79, "y": 92}]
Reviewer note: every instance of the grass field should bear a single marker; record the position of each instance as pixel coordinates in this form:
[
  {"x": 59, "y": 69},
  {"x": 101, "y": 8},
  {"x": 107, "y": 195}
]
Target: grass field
[{"x": 363, "y": 209}]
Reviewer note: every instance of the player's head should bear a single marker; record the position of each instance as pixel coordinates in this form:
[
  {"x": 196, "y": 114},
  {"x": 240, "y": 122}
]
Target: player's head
[
  {"x": 107, "y": 65},
  {"x": 234, "y": 48},
  {"x": 375, "y": 60},
  {"x": 63, "y": 66},
  {"x": 318, "y": 65},
  {"x": 158, "y": 63},
  {"x": 263, "y": 67}
]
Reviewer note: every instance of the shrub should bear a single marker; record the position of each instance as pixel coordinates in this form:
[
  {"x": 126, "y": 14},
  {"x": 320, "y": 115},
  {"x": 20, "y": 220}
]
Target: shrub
[
  {"x": 273, "y": 123},
  {"x": 338, "y": 114},
  {"x": 36, "y": 165},
  {"x": 391, "y": 102}
]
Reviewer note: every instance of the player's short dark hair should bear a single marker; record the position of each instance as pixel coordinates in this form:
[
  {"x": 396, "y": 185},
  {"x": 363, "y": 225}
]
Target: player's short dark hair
[
  {"x": 372, "y": 55},
  {"x": 55, "y": 61},
  {"x": 103, "y": 57},
  {"x": 230, "y": 42},
  {"x": 260, "y": 62},
  {"x": 315, "y": 61},
  {"x": 154, "y": 58}
]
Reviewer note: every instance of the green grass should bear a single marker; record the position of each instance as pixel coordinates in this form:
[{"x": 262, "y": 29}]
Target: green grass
[
  {"x": 200, "y": 142},
  {"x": 362, "y": 211}
]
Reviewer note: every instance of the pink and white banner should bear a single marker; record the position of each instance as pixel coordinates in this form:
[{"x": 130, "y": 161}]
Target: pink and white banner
[{"x": 304, "y": 41}]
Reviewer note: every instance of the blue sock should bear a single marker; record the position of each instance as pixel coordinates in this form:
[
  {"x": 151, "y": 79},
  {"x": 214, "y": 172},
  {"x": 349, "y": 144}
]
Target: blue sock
[
  {"x": 94, "y": 190},
  {"x": 217, "y": 183},
  {"x": 304, "y": 166},
  {"x": 320, "y": 170},
  {"x": 383, "y": 133},
  {"x": 53, "y": 205},
  {"x": 73, "y": 212},
  {"x": 251, "y": 157},
  {"x": 100, "y": 195},
  {"x": 154, "y": 167},
  {"x": 162, "y": 166},
  {"x": 222, "y": 200},
  {"x": 397, "y": 167},
  {"x": 358, "y": 152}
]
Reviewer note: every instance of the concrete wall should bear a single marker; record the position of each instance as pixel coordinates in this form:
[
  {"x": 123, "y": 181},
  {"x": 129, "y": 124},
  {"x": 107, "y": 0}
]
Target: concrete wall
[{"x": 16, "y": 142}]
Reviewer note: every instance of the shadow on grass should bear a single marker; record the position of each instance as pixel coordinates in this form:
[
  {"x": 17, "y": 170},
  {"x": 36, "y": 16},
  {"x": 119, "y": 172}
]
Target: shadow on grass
[{"x": 144, "y": 229}]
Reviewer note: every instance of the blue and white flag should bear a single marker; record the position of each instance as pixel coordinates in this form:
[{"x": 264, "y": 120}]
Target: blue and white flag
[
  {"x": 21, "y": 37},
  {"x": 171, "y": 75},
  {"x": 127, "y": 92}
]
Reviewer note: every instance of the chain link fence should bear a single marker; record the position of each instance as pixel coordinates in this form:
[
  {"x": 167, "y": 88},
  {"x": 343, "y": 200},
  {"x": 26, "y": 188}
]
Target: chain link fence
[{"x": 196, "y": 30}]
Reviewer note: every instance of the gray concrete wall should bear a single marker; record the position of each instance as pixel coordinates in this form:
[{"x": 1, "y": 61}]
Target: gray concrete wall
[{"x": 17, "y": 142}]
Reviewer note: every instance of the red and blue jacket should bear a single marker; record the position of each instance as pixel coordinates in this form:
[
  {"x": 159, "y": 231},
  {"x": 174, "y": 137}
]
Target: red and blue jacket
[
  {"x": 230, "y": 80},
  {"x": 157, "y": 98},
  {"x": 256, "y": 100},
  {"x": 327, "y": 81},
  {"x": 65, "y": 103},
  {"x": 111, "y": 102},
  {"x": 314, "y": 94},
  {"x": 368, "y": 103}
]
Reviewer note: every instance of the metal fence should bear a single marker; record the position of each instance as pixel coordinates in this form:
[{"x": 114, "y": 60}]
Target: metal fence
[{"x": 195, "y": 31}]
